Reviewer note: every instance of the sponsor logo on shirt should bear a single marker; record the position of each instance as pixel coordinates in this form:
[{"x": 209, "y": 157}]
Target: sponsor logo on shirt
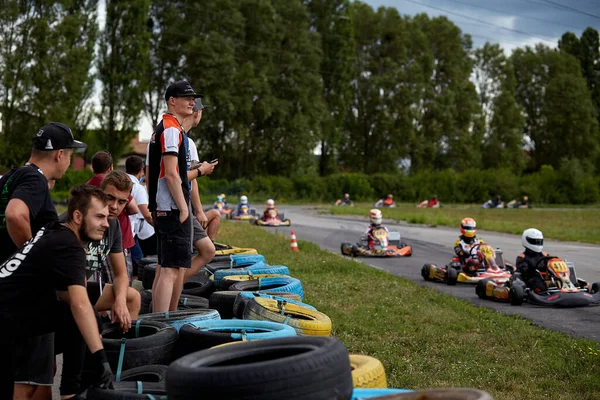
[
  {"x": 12, "y": 264},
  {"x": 96, "y": 254}
]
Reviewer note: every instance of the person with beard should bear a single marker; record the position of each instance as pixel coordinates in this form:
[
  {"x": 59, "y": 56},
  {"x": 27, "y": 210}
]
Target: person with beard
[
  {"x": 47, "y": 268},
  {"x": 108, "y": 286},
  {"x": 25, "y": 207}
]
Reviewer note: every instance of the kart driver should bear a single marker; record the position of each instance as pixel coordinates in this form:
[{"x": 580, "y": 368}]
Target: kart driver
[
  {"x": 465, "y": 242},
  {"x": 345, "y": 201},
  {"x": 270, "y": 206},
  {"x": 386, "y": 202},
  {"x": 243, "y": 203},
  {"x": 375, "y": 216},
  {"x": 220, "y": 202},
  {"x": 533, "y": 241}
]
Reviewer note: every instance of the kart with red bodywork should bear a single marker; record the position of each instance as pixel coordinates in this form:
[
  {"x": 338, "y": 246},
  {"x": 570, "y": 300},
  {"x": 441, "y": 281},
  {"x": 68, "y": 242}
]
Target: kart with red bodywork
[
  {"x": 487, "y": 263},
  {"x": 565, "y": 289},
  {"x": 387, "y": 244},
  {"x": 274, "y": 218}
]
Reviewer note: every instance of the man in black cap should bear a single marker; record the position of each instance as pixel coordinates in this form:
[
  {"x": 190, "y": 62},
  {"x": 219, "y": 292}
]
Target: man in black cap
[
  {"x": 25, "y": 207},
  {"x": 169, "y": 195}
]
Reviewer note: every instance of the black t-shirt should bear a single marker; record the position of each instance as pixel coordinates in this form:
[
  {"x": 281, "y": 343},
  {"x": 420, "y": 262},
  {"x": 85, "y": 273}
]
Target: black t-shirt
[
  {"x": 31, "y": 186},
  {"x": 52, "y": 260}
]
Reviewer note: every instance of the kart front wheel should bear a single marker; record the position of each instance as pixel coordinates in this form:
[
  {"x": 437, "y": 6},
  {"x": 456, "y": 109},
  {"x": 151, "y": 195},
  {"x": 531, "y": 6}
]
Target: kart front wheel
[
  {"x": 425, "y": 272},
  {"x": 346, "y": 249},
  {"x": 480, "y": 288},
  {"x": 517, "y": 294},
  {"x": 451, "y": 276}
]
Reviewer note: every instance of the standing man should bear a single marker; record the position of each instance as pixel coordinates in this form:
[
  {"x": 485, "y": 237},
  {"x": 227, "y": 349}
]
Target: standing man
[
  {"x": 141, "y": 222},
  {"x": 25, "y": 207},
  {"x": 200, "y": 239},
  {"x": 169, "y": 196},
  {"x": 50, "y": 266}
]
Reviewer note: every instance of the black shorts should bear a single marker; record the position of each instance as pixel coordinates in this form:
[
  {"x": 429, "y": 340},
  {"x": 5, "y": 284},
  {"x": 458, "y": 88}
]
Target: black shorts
[
  {"x": 35, "y": 360},
  {"x": 174, "y": 240}
]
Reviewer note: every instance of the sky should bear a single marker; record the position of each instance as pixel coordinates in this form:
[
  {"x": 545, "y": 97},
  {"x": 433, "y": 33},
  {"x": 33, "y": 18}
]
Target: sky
[{"x": 512, "y": 23}]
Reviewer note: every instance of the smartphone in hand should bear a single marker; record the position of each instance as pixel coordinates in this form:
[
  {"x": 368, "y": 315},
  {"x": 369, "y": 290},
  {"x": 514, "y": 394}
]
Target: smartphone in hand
[{"x": 214, "y": 161}]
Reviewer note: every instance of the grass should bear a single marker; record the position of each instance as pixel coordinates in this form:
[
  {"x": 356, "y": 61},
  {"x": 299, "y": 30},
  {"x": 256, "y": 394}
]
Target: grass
[
  {"x": 426, "y": 339},
  {"x": 578, "y": 225}
]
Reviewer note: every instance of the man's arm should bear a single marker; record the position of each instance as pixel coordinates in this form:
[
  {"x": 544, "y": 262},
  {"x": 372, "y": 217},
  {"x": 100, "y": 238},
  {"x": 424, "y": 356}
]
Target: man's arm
[
  {"x": 77, "y": 298},
  {"x": 174, "y": 183},
  {"x": 120, "y": 285},
  {"x": 132, "y": 207},
  {"x": 146, "y": 213},
  {"x": 18, "y": 223}
]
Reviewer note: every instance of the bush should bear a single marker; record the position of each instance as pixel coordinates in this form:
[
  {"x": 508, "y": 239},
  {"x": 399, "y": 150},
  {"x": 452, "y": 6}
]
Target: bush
[{"x": 72, "y": 178}]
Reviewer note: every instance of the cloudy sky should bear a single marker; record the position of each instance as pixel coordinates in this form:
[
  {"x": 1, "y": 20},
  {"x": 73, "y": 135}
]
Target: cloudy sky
[{"x": 512, "y": 23}]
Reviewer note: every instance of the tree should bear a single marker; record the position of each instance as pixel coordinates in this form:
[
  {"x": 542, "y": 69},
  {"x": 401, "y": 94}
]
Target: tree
[
  {"x": 495, "y": 81},
  {"x": 557, "y": 106},
  {"x": 46, "y": 52},
  {"x": 332, "y": 20},
  {"x": 124, "y": 57}
]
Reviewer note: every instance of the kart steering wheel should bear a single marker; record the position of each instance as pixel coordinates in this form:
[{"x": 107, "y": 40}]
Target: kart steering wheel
[{"x": 545, "y": 258}]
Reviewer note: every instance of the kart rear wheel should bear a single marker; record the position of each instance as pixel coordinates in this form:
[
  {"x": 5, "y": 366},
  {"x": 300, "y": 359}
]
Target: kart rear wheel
[
  {"x": 425, "y": 272},
  {"x": 517, "y": 294},
  {"x": 480, "y": 288},
  {"x": 595, "y": 287},
  {"x": 451, "y": 276}
]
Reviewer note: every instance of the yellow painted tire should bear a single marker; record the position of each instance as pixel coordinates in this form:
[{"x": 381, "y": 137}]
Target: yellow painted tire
[
  {"x": 231, "y": 279},
  {"x": 234, "y": 250},
  {"x": 367, "y": 372},
  {"x": 305, "y": 321}
]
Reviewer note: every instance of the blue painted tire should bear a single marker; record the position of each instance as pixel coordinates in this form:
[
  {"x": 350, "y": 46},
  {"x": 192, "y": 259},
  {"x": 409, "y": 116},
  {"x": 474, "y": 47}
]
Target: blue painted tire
[
  {"x": 274, "y": 269},
  {"x": 244, "y": 297},
  {"x": 359, "y": 394},
  {"x": 206, "y": 334},
  {"x": 291, "y": 285},
  {"x": 179, "y": 318},
  {"x": 240, "y": 260}
]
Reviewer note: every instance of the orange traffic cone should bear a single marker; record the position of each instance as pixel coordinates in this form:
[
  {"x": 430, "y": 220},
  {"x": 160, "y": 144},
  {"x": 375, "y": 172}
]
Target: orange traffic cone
[{"x": 293, "y": 244}]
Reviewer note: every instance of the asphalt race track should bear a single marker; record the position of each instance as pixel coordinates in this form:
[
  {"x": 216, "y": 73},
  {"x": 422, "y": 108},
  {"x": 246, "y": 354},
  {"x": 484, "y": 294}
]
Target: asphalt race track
[{"x": 434, "y": 245}]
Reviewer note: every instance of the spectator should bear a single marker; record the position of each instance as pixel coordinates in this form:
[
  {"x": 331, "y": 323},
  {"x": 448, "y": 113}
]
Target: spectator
[
  {"x": 169, "y": 195},
  {"x": 49, "y": 267},
  {"x": 200, "y": 239},
  {"x": 141, "y": 222},
  {"x": 110, "y": 293},
  {"x": 25, "y": 207},
  {"x": 102, "y": 164}
]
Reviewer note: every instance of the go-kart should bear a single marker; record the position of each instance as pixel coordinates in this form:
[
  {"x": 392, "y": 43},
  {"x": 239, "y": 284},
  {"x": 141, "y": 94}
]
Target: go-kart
[
  {"x": 564, "y": 288},
  {"x": 244, "y": 214},
  {"x": 487, "y": 264},
  {"x": 387, "y": 245},
  {"x": 223, "y": 208},
  {"x": 274, "y": 219}
]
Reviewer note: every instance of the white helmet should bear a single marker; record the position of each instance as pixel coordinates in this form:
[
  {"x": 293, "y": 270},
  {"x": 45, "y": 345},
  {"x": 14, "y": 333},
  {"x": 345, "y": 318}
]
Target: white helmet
[
  {"x": 270, "y": 203},
  {"x": 375, "y": 216},
  {"x": 533, "y": 240},
  {"x": 244, "y": 199}
]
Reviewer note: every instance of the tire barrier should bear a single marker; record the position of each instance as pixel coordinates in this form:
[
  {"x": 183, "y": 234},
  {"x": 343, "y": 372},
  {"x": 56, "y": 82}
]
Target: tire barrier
[
  {"x": 200, "y": 285},
  {"x": 258, "y": 268},
  {"x": 231, "y": 279},
  {"x": 292, "y": 285},
  {"x": 305, "y": 321},
  {"x": 293, "y": 368},
  {"x": 179, "y": 318},
  {"x": 186, "y": 302},
  {"x": 146, "y": 343},
  {"x": 147, "y": 277},
  {"x": 367, "y": 372},
  {"x": 243, "y": 298},
  {"x": 146, "y": 373},
  {"x": 224, "y": 301}
]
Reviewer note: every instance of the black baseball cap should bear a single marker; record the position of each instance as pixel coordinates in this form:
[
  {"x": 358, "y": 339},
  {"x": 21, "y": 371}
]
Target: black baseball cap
[
  {"x": 56, "y": 136},
  {"x": 180, "y": 89},
  {"x": 199, "y": 106}
]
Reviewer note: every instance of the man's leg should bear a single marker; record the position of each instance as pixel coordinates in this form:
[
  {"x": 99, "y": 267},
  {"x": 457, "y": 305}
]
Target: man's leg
[
  {"x": 35, "y": 366},
  {"x": 205, "y": 247},
  {"x": 163, "y": 292},
  {"x": 214, "y": 221},
  {"x": 107, "y": 299},
  {"x": 177, "y": 289}
]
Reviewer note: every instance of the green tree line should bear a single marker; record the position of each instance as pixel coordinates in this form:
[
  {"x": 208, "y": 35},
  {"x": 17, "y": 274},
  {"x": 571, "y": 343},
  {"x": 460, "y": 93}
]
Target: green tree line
[{"x": 300, "y": 87}]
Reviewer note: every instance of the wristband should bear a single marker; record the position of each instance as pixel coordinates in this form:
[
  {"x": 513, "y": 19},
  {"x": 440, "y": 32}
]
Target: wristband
[{"x": 199, "y": 173}]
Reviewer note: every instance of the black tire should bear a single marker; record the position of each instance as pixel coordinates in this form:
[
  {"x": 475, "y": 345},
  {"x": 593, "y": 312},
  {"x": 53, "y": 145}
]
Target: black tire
[
  {"x": 146, "y": 303},
  {"x": 186, "y": 302},
  {"x": 143, "y": 262},
  {"x": 148, "y": 276},
  {"x": 316, "y": 368},
  {"x": 517, "y": 294},
  {"x": 102, "y": 394},
  {"x": 199, "y": 285},
  {"x": 595, "y": 287},
  {"x": 239, "y": 305},
  {"x": 223, "y": 302},
  {"x": 145, "y": 373},
  {"x": 451, "y": 276},
  {"x": 154, "y": 345},
  {"x": 177, "y": 318},
  {"x": 346, "y": 249},
  {"x": 425, "y": 272},
  {"x": 480, "y": 288}
]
